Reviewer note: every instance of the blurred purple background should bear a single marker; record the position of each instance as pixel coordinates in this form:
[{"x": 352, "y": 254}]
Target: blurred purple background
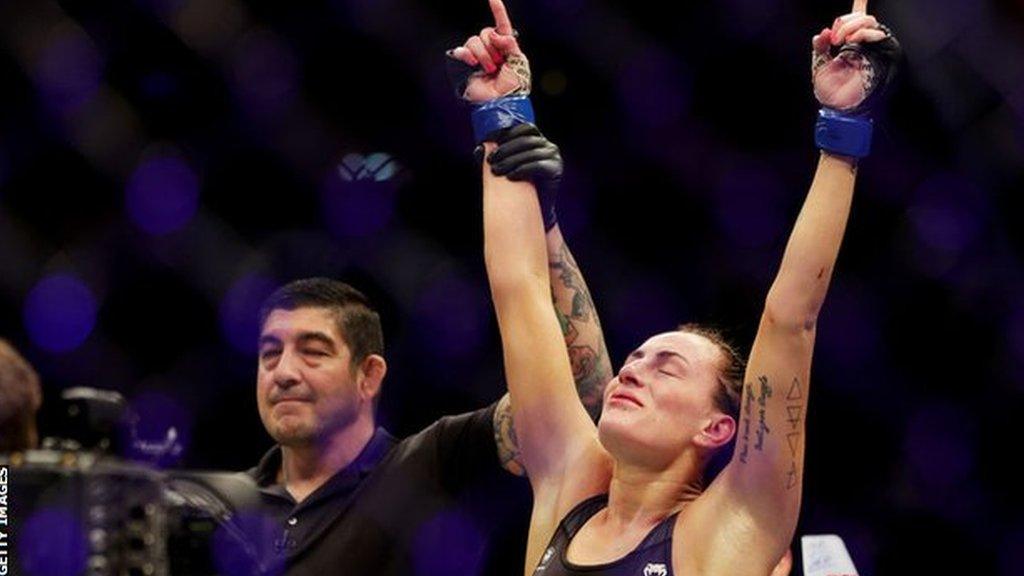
[{"x": 165, "y": 163}]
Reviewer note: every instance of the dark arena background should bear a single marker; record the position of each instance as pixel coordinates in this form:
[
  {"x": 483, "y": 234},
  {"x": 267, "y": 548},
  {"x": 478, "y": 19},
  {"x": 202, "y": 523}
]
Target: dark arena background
[{"x": 165, "y": 163}]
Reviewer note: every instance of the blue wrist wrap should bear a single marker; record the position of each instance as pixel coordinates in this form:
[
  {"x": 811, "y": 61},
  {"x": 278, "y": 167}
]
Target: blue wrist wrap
[
  {"x": 844, "y": 135},
  {"x": 500, "y": 113}
]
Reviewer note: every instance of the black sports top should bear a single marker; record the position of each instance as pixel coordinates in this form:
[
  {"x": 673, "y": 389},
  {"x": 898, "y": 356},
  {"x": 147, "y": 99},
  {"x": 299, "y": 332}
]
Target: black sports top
[{"x": 652, "y": 557}]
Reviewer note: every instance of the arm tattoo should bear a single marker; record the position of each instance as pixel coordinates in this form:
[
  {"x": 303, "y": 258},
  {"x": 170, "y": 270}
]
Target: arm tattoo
[
  {"x": 591, "y": 368},
  {"x": 521, "y": 68},
  {"x": 762, "y": 402},
  {"x": 505, "y": 437},
  {"x": 794, "y": 412},
  {"x": 748, "y": 415},
  {"x": 754, "y": 405}
]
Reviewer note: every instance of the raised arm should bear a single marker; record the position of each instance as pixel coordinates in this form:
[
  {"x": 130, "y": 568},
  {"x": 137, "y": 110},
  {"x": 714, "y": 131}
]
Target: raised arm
[
  {"x": 550, "y": 421},
  {"x": 765, "y": 473},
  {"x": 763, "y": 481},
  {"x": 488, "y": 68},
  {"x": 524, "y": 154}
]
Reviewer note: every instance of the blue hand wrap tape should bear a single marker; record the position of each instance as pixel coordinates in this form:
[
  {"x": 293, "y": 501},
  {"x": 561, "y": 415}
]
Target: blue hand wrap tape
[
  {"x": 500, "y": 113},
  {"x": 841, "y": 134}
]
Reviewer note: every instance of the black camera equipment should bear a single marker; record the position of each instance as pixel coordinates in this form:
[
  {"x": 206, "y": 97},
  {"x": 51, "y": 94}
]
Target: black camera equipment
[{"x": 73, "y": 508}]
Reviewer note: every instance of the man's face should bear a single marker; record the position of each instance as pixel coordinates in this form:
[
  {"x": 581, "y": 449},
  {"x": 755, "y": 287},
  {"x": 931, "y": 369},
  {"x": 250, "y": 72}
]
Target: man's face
[
  {"x": 306, "y": 387},
  {"x": 662, "y": 397}
]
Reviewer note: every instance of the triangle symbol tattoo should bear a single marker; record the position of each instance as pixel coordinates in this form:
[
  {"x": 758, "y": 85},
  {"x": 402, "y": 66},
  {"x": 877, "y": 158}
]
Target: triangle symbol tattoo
[
  {"x": 791, "y": 481},
  {"x": 794, "y": 414},
  {"x": 794, "y": 442},
  {"x": 794, "y": 391}
]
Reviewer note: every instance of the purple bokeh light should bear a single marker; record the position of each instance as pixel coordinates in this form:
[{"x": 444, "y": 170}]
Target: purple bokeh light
[
  {"x": 163, "y": 429},
  {"x": 947, "y": 217},
  {"x": 449, "y": 543},
  {"x": 749, "y": 206},
  {"x": 265, "y": 73},
  {"x": 752, "y": 18},
  {"x": 68, "y": 72},
  {"x": 52, "y": 542},
  {"x": 639, "y": 309},
  {"x": 60, "y": 313},
  {"x": 938, "y": 444},
  {"x": 849, "y": 334},
  {"x": 356, "y": 206},
  {"x": 574, "y": 203},
  {"x": 162, "y": 195},
  {"x": 451, "y": 312},
  {"x": 654, "y": 93},
  {"x": 239, "y": 309}
]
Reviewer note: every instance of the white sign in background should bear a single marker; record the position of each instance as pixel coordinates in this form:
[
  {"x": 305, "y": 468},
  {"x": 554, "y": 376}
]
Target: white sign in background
[{"x": 826, "y": 555}]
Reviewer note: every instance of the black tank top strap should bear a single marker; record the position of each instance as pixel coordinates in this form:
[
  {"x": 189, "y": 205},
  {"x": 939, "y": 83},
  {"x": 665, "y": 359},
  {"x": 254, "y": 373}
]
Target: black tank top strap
[
  {"x": 652, "y": 557},
  {"x": 661, "y": 534},
  {"x": 582, "y": 512}
]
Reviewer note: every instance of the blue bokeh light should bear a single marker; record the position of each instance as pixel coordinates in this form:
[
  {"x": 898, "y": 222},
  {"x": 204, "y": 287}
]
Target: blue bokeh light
[
  {"x": 452, "y": 314},
  {"x": 162, "y": 195},
  {"x": 357, "y": 205},
  {"x": 449, "y": 543},
  {"x": 654, "y": 91},
  {"x": 52, "y": 542},
  {"x": 849, "y": 336},
  {"x": 265, "y": 73},
  {"x": 68, "y": 72},
  {"x": 749, "y": 203},
  {"x": 239, "y": 309},
  {"x": 60, "y": 313},
  {"x": 639, "y": 309},
  {"x": 939, "y": 447},
  {"x": 949, "y": 215}
]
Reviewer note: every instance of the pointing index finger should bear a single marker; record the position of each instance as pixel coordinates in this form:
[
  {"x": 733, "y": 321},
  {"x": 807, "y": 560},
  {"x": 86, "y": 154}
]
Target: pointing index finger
[
  {"x": 502, "y": 24},
  {"x": 858, "y": 6}
]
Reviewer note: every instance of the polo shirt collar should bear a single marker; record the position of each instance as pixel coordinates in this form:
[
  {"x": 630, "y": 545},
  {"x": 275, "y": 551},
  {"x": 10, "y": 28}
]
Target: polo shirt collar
[{"x": 372, "y": 453}]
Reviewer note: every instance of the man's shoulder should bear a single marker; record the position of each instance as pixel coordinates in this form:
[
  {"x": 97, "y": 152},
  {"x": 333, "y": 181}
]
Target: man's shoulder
[
  {"x": 452, "y": 428},
  {"x": 453, "y": 444}
]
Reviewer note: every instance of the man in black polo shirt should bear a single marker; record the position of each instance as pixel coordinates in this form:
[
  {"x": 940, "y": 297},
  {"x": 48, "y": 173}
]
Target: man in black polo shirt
[{"x": 344, "y": 495}]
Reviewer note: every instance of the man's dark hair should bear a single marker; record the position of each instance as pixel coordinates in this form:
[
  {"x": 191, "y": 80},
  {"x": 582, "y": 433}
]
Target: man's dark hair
[
  {"x": 358, "y": 322},
  {"x": 20, "y": 397},
  {"x": 729, "y": 393}
]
